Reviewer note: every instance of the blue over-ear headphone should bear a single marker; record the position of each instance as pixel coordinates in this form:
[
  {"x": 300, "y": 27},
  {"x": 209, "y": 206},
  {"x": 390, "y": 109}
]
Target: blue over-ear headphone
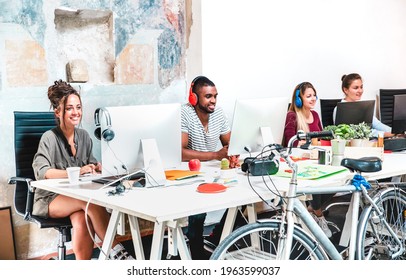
[{"x": 298, "y": 100}]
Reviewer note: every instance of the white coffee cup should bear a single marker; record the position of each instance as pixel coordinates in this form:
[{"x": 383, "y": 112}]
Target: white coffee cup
[{"x": 73, "y": 174}]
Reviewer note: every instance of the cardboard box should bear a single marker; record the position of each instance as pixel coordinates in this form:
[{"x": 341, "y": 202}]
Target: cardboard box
[{"x": 359, "y": 152}]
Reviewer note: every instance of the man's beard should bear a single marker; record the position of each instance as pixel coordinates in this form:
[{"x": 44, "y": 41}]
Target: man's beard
[{"x": 204, "y": 109}]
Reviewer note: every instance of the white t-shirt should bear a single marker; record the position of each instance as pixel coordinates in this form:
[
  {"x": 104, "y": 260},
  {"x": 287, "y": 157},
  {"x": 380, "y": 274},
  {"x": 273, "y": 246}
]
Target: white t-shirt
[{"x": 199, "y": 139}]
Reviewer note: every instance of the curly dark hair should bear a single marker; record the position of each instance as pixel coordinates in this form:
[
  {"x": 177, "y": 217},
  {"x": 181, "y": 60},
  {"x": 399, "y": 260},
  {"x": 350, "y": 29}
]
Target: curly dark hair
[{"x": 58, "y": 95}]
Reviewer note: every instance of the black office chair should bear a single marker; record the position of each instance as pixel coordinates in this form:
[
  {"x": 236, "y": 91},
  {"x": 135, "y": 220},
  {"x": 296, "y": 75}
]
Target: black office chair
[
  {"x": 327, "y": 107},
  {"x": 28, "y": 129},
  {"x": 386, "y": 104}
]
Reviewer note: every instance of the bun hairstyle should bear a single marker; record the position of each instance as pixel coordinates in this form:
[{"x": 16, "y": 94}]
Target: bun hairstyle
[
  {"x": 346, "y": 80},
  {"x": 58, "y": 95}
]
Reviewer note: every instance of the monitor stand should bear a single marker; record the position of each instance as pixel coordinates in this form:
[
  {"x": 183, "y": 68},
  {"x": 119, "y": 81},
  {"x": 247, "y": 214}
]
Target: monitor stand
[
  {"x": 267, "y": 137},
  {"x": 154, "y": 170}
]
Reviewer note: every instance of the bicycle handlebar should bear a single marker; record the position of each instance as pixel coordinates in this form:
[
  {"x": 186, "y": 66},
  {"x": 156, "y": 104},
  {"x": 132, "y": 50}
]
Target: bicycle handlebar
[
  {"x": 319, "y": 134},
  {"x": 300, "y": 135}
]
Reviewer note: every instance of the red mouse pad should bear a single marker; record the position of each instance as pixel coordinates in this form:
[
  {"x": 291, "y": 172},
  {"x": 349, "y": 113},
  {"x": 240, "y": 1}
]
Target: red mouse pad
[{"x": 211, "y": 188}]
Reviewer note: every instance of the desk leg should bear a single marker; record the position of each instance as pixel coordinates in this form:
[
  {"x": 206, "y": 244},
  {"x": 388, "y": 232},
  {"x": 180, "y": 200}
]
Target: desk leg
[
  {"x": 229, "y": 222},
  {"x": 157, "y": 241},
  {"x": 230, "y": 219},
  {"x": 252, "y": 218},
  {"x": 349, "y": 232},
  {"x": 182, "y": 246},
  {"x": 110, "y": 235},
  {"x": 172, "y": 239},
  {"x": 137, "y": 241},
  {"x": 177, "y": 240},
  {"x": 252, "y": 214},
  {"x": 354, "y": 225}
]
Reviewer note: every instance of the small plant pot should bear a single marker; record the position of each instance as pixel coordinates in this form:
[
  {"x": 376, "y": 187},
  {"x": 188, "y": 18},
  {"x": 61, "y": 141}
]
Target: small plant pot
[
  {"x": 359, "y": 142},
  {"x": 325, "y": 142}
]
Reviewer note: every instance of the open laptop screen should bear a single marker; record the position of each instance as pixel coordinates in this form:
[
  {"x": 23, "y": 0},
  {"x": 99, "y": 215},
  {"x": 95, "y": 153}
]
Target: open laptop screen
[{"x": 355, "y": 112}]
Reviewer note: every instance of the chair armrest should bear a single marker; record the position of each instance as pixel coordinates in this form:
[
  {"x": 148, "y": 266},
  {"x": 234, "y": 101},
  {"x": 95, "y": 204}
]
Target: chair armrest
[
  {"x": 14, "y": 180},
  {"x": 30, "y": 194}
]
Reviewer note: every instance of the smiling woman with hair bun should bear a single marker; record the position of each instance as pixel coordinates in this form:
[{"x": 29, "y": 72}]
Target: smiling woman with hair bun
[{"x": 65, "y": 146}]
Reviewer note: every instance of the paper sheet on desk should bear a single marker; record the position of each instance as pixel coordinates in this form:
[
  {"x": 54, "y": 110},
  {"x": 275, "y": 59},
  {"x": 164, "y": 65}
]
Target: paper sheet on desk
[
  {"x": 312, "y": 171},
  {"x": 181, "y": 174}
]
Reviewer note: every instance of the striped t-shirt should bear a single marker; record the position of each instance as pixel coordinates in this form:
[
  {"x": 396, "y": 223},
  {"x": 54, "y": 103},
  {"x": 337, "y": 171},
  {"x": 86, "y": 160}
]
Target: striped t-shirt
[{"x": 199, "y": 139}]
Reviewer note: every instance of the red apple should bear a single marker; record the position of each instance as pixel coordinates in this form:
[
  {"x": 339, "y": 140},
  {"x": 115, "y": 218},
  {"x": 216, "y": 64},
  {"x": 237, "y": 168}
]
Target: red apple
[{"x": 194, "y": 165}]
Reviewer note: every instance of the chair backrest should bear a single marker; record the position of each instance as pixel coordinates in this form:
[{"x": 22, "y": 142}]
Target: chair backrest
[
  {"x": 28, "y": 129},
  {"x": 386, "y": 104},
  {"x": 327, "y": 107}
]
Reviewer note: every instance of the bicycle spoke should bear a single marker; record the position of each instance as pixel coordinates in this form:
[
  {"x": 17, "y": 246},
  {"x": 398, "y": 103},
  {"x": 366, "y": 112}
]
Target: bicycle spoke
[
  {"x": 264, "y": 241},
  {"x": 383, "y": 236}
]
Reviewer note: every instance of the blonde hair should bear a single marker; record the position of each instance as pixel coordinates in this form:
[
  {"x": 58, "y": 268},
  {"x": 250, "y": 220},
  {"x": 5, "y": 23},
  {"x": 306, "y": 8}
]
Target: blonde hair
[{"x": 301, "y": 123}]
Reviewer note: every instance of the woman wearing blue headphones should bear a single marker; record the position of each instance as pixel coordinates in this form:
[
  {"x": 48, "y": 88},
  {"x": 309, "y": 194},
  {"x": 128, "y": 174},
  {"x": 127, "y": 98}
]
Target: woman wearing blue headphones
[{"x": 301, "y": 116}]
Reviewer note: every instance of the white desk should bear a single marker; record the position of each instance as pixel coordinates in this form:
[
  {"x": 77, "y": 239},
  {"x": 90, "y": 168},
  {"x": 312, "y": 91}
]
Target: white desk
[{"x": 167, "y": 206}]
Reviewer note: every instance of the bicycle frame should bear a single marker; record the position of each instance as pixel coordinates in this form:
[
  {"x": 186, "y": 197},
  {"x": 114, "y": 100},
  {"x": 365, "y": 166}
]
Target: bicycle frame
[
  {"x": 378, "y": 233},
  {"x": 295, "y": 206}
]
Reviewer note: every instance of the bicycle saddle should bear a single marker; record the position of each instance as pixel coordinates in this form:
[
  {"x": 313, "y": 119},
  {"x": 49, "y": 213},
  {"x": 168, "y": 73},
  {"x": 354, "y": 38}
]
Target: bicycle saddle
[{"x": 364, "y": 164}]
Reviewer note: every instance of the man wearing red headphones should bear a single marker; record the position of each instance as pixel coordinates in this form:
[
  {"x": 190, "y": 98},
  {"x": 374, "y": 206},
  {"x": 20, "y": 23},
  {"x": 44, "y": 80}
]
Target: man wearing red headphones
[{"x": 203, "y": 125}]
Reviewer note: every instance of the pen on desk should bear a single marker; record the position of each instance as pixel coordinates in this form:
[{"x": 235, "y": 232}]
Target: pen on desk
[
  {"x": 230, "y": 182},
  {"x": 186, "y": 177},
  {"x": 187, "y": 183}
]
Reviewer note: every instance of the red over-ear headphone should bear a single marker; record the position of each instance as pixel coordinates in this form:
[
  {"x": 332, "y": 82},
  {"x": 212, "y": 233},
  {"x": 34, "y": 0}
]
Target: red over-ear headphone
[{"x": 193, "y": 97}]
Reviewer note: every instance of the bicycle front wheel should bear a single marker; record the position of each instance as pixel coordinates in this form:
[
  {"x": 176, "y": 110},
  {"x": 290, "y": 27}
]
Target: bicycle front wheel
[
  {"x": 374, "y": 240},
  {"x": 263, "y": 240}
]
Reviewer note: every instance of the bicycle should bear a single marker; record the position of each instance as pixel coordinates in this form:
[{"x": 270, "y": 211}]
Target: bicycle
[{"x": 378, "y": 233}]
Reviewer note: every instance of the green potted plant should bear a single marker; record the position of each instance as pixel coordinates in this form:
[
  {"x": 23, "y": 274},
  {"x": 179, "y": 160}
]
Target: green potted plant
[
  {"x": 361, "y": 134},
  {"x": 326, "y": 141},
  {"x": 341, "y": 131}
]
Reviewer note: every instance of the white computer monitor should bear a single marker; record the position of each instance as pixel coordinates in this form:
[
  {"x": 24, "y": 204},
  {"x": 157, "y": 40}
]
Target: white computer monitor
[
  {"x": 160, "y": 123},
  {"x": 257, "y": 122}
]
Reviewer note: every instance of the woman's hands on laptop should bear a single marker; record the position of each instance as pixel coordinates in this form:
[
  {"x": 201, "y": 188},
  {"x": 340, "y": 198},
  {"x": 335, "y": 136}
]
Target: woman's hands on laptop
[{"x": 91, "y": 169}]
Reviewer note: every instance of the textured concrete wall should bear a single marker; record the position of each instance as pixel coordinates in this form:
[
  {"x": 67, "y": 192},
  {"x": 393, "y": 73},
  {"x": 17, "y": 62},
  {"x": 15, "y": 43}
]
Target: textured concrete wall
[
  {"x": 135, "y": 53},
  {"x": 27, "y": 56}
]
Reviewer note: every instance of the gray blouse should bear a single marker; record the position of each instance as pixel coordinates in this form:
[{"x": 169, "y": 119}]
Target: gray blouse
[{"x": 55, "y": 152}]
